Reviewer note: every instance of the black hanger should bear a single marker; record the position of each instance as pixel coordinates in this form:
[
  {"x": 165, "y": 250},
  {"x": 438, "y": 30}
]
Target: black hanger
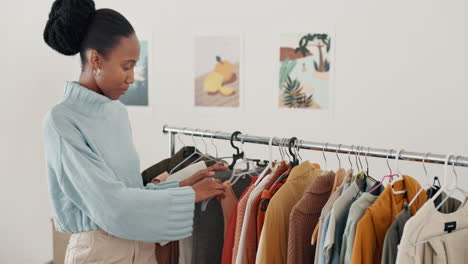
[
  {"x": 434, "y": 188},
  {"x": 260, "y": 163},
  {"x": 295, "y": 161},
  {"x": 238, "y": 155},
  {"x": 436, "y": 181}
]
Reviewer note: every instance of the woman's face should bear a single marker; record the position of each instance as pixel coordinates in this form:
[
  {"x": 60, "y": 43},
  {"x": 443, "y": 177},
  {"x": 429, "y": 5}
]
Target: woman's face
[{"x": 117, "y": 70}]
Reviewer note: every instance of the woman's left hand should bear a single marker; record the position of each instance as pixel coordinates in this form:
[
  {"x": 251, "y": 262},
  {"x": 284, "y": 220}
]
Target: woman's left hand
[{"x": 200, "y": 175}]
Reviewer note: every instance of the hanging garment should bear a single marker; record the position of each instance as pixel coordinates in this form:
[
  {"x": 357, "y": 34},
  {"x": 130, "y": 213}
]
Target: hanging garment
[
  {"x": 187, "y": 172},
  {"x": 426, "y": 224},
  {"x": 449, "y": 206},
  {"x": 319, "y": 252},
  {"x": 168, "y": 164},
  {"x": 371, "y": 229},
  {"x": 167, "y": 253},
  {"x": 447, "y": 248},
  {"x": 340, "y": 176},
  {"x": 208, "y": 226},
  {"x": 241, "y": 207},
  {"x": 270, "y": 189},
  {"x": 231, "y": 231},
  {"x": 338, "y": 218},
  {"x": 176, "y": 252},
  {"x": 228, "y": 203},
  {"x": 395, "y": 231},
  {"x": 324, "y": 219},
  {"x": 276, "y": 226},
  {"x": 356, "y": 211},
  {"x": 304, "y": 217},
  {"x": 248, "y": 239}
]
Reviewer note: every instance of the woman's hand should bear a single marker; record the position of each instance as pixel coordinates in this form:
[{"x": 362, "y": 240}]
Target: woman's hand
[
  {"x": 206, "y": 173},
  {"x": 207, "y": 188}
]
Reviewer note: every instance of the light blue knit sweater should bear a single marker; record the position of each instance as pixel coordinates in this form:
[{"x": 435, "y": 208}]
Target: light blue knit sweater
[{"x": 94, "y": 174}]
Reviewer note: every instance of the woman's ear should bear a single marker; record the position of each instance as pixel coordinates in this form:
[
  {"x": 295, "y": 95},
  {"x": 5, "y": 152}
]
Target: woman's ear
[{"x": 94, "y": 59}]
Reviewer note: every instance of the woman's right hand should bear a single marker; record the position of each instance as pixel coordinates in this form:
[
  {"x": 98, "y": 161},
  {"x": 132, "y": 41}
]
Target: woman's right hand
[{"x": 207, "y": 188}]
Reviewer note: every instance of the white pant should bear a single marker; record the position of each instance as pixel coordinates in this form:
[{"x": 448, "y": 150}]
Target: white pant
[{"x": 99, "y": 247}]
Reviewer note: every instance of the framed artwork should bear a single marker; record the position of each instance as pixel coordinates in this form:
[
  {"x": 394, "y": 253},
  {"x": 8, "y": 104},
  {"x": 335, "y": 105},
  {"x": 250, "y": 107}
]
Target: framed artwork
[
  {"x": 137, "y": 94},
  {"x": 217, "y": 75},
  {"x": 305, "y": 67}
]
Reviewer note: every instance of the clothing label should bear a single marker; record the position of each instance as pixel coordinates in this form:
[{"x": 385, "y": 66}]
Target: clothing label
[{"x": 450, "y": 226}]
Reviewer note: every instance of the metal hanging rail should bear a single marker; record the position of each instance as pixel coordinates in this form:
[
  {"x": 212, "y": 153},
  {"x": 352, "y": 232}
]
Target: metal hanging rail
[{"x": 310, "y": 145}]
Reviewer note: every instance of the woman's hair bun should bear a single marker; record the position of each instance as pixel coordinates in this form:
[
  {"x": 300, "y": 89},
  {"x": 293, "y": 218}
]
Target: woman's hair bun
[{"x": 67, "y": 25}]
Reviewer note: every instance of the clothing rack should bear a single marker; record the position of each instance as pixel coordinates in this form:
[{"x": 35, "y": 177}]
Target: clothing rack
[{"x": 319, "y": 146}]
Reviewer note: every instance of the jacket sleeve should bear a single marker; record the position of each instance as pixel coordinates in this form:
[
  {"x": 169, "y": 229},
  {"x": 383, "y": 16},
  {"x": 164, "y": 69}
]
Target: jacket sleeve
[{"x": 153, "y": 214}]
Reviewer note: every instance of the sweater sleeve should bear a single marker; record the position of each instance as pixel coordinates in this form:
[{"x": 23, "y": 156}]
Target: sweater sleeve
[
  {"x": 162, "y": 185},
  {"x": 364, "y": 241},
  {"x": 157, "y": 213}
]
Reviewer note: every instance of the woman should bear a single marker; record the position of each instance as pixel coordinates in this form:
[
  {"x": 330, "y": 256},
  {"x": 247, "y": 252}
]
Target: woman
[{"x": 95, "y": 185}]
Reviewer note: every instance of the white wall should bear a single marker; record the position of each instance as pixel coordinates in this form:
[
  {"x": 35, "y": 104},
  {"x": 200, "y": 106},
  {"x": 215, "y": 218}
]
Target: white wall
[{"x": 401, "y": 81}]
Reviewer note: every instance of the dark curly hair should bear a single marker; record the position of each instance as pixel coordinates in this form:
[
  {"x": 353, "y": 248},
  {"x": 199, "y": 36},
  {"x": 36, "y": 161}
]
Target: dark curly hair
[{"x": 75, "y": 26}]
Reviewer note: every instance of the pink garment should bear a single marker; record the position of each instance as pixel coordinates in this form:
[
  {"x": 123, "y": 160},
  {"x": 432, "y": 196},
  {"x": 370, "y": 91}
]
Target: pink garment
[
  {"x": 241, "y": 206},
  {"x": 228, "y": 203}
]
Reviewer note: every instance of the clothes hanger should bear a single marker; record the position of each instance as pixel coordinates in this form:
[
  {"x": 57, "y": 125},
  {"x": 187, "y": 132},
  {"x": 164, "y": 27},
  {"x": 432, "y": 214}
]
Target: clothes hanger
[
  {"x": 367, "y": 163},
  {"x": 367, "y": 167},
  {"x": 285, "y": 143},
  {"x": 270, "y": 152},
  {"x": 360, "y": 153},
  {"x": 363, "y": 174},
  {"x": 214, "y": 145},
  {"x": 389, "y": 176},
  {"x": 356, "y": 153},
  {"x": 282, "y": 148},
  {"x": 195, "y": 152},
  {"x": 180, "y": 140},
  {"x": 349, "y": 158},
  {"x": 398, "y": 174},
  {"x": 435, "y": 184},
  {"x": 325, "y": 158},
  {"x": 338, "y": 157},
  {"x": 186, "y": 152},
  {"x": 422, "y": 183},
  {"x": 208, "y": 156},
  {"x": 238, "y": 155},
  {"x": 249, "y": 166},
  {"x": 205, "y": 156},
  {"x": 270, "y": 163},
  {"x": 360, "y": 172},
  {"x": 235, "y": 176},
  {"x": 297, "y": 150},
  {"x": 444, "y": 186},
  {"x": 295, "y": 161},
  {"x": 358, "y": 160},
  {"x": 455, "y": 187}
]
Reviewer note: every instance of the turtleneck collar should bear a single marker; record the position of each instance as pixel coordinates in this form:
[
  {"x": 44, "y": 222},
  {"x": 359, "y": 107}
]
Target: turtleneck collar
[{"x": 88, "y": 100}]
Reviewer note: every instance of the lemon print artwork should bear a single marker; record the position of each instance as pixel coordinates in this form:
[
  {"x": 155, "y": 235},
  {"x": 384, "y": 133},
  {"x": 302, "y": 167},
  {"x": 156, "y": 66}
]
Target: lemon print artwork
[
  {"x": 217, "y": 71},
  {"x": 223, "y": 74}
]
